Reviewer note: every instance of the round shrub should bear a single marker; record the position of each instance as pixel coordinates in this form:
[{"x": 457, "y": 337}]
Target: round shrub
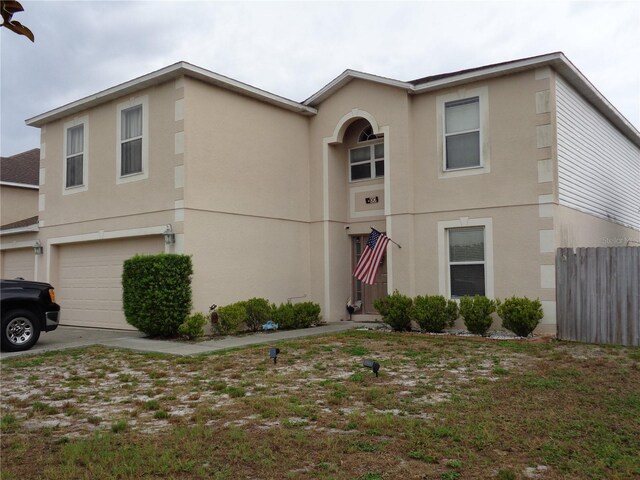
[
  {"x": 395, "y": 310},
  {"x": 477, "y": 312},
  {"x": 284, "y": 315},
  {"x": 156, "y": 292},
  {"x": 231, "y": 318},
  {"x": 520, "y": 314},
  {"x": 434, "y": 312},
  {"x": 306, "y": 314},
  {"x": 258, "y": 313},
  {"x": 193, "y": 326}
]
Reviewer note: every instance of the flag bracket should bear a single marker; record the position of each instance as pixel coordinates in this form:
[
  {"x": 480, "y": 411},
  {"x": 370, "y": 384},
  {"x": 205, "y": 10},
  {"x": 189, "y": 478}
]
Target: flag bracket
[{"x": 395, "y": 243}]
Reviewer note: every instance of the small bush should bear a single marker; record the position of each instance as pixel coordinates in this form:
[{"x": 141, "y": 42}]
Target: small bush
[
  {"x": 477, "y": 312},
  {"x": 395, "y": 310},
  {"x": 306, "y": 314},
  {"x": 520, "y": 314},
  {"x": 193, "y": 326},
  {"x": 284, "y": 315},
  {"x": 434, "y": 312},
  {"x": 156, "y": 292},
  {"x": 258, "y": 313},
  {"x": 231, "y": 318}
]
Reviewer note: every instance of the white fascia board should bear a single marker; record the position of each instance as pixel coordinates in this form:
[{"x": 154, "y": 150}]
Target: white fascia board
[
  {"x": 345, "y": 77},
  {"x": 244, "y": 89},
  {"x": 13, "y": 231},
  {"x": 20, "y": 185},
  {"x": 488, "y": 72},
  {"x": 558, "y": 62},
  {"x": 163, "y": 75}
]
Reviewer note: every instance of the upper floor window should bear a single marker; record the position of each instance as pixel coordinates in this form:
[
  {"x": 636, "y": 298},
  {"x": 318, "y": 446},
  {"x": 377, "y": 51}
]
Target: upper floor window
[
  {"x": 462, "y": 133},
  {"x": 75, "y": 152},
  {"x": 133, "y": 139},
  {"x": 366, "y": 162},
  {"x": 75, "y": 155},
  {"x": 463, "y": 140}
]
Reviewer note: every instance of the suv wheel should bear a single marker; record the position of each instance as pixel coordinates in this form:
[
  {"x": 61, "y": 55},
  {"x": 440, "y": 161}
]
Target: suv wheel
[{"x": 20, "y": 330}]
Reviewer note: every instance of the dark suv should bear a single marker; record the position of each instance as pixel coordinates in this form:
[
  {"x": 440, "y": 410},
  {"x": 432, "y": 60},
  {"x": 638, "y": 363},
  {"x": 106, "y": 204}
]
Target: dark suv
[{"x": 28, "y": 308}]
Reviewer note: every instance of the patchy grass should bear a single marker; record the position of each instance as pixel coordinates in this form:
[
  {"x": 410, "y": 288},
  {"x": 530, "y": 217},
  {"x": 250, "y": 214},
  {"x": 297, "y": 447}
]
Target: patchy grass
[{"x": 442, "y": 408}]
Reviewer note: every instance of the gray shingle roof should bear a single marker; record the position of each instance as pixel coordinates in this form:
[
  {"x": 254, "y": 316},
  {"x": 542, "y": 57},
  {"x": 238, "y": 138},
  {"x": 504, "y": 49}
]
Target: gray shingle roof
[{"x": 21, "y": 168}]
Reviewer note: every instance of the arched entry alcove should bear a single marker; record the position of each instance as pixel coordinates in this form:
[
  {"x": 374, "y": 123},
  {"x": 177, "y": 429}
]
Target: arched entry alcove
[{"x": 355, "y": 167}]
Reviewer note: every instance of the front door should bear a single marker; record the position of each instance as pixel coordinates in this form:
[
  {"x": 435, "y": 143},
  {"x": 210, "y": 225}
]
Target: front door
[{"x": 363, "y": 292}]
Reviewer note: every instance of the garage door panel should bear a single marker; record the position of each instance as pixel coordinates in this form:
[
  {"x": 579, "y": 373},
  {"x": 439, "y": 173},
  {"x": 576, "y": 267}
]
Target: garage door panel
[
  {"x": 90, "y": 280},
  {"x": 18, "y": 262}
]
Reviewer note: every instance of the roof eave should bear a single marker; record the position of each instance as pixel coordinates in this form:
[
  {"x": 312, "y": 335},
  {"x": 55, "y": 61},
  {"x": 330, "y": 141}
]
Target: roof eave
[
  {"x": 15, "y": 231},
  {"x": 557, "y": 61},
  {"x": 165, "y": 74},
  {"x": 20, "y": 185},
  {"x": 347, "y": 76}
]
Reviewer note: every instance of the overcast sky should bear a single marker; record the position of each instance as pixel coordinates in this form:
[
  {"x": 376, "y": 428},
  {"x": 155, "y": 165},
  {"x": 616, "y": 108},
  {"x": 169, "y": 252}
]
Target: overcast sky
[{"x": 294, "y": 49}]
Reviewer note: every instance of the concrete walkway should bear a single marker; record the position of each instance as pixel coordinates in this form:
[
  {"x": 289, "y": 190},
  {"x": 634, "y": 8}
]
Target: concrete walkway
[{"x": 75, "y": 337}]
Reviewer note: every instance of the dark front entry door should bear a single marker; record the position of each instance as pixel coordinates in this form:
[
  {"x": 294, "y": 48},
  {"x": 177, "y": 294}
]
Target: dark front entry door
[{"x": 363, "y": 292}]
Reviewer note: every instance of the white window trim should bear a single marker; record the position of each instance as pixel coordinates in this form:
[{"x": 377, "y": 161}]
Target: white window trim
[
  {"x": 485, "y": 158},
  {"x": 443, "y": 253},
  {"x": 371, "y": 144},
  {"x": 85, "y": 156},
  {"x": 133, "y": 177}
]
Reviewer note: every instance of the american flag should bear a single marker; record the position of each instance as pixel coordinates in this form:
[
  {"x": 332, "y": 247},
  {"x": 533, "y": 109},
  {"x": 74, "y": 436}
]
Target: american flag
[{"x": 367, "y": 268}]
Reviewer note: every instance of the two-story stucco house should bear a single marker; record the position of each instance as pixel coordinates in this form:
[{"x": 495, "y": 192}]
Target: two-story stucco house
[{"x": 479, "y": 175}]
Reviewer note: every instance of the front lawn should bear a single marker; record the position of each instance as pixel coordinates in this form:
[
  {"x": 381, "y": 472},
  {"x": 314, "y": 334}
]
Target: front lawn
[{"x": 442, "y": 408}]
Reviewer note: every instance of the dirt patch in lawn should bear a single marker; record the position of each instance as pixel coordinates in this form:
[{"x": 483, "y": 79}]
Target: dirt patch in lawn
[{"x": 316, "y": 413}]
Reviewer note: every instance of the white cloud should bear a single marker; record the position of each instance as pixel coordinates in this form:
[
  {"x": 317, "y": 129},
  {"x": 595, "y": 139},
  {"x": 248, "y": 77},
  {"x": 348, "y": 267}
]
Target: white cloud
[{"x": 294, "y": 49}]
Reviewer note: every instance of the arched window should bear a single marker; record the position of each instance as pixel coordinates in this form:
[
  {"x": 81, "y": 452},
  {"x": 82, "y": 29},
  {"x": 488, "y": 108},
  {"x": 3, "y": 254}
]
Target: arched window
[
  {"x": 367, "y": 134},
  {"x": 367, "y": 162}
]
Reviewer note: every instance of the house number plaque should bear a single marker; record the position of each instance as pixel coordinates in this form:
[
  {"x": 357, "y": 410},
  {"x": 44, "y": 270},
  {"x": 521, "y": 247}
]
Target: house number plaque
[{"x": 370, "y": 200}]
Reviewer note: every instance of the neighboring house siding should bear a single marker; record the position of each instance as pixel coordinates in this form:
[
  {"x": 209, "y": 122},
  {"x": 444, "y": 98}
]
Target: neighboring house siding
[{"x": 598, "y": 167}]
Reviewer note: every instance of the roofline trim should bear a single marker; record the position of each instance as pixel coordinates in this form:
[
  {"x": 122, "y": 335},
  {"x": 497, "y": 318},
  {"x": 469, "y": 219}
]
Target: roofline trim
[
  {"x": 20, "y": 185},
  {"x": 12, "y": 231},
  {"x": 167, "y": 73},
  {"x": 348, "y": 75}
]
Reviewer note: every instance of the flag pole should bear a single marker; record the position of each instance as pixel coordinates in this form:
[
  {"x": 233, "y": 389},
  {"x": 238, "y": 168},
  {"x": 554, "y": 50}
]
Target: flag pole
[{"x": 395, "y": 243}]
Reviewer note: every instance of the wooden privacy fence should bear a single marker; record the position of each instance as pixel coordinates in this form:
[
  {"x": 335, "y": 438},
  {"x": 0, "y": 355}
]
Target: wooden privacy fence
[{"x": 598, "y": 295}]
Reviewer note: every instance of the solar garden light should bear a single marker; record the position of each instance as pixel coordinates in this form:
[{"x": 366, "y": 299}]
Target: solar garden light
[
  {"x": 273, "y": 353},
  {"x": 375, "y": 366}
]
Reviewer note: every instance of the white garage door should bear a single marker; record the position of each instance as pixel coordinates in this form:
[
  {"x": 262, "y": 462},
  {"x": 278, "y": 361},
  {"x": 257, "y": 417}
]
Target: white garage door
[
  {"x": 89, "y": 288},
  {"x": 19, "y": 262}
]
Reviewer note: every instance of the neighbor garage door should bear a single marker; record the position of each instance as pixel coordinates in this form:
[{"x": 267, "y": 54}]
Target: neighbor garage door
[
  {"x": 89, "y": 286},
  {"x": 18, "y": 262}
]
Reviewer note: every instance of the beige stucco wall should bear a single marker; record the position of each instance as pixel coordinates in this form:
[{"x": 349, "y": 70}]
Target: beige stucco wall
[
  {"x": 578, "y": 229},
  {"x": 17, "y": 203},
  {"x": 104, "y": 197},
  {"x": 417, "y": 195},
  {"x": 246, "y": 200}
]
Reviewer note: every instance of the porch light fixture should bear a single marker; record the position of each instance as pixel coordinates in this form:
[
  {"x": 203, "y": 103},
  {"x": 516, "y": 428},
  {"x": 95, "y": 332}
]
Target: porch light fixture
[
  {"x": 37, "y": 248},
  {"x": 169, "y": 236},
  {"x": 375, "y": 366}
]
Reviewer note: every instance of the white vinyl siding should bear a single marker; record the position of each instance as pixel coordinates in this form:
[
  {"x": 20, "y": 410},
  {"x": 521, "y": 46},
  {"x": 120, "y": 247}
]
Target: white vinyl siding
[{"x": 598, "y": 167}]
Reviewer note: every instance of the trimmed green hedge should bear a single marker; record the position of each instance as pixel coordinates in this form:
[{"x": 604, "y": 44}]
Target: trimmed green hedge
[
  {"x": 156, "y": 292},
  {"x": 476, "y": 312},
  {"x": 521, "y": 315},
  {"x": 434, "y": 313},
  {"x": 395, "y": 310}
]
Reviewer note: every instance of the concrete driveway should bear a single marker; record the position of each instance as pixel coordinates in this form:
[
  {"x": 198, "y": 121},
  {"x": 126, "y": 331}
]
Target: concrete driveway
[{"x": 71, "y": 337}]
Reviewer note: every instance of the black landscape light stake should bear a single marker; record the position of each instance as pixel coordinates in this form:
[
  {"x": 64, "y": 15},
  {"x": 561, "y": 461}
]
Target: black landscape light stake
[
  {"x": 375, "y": 366},
  {"x": 273, "y": 353}
]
